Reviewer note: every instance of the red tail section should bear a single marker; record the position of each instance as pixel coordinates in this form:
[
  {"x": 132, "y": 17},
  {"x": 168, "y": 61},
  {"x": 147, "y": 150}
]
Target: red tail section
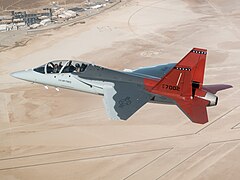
[
  {"x": 196, "y": 110},
  {"x": 184, "y": 85}
]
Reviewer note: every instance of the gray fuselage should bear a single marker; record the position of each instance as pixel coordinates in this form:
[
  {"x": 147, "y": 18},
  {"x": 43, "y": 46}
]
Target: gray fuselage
[{"x": 93, "y": 78}]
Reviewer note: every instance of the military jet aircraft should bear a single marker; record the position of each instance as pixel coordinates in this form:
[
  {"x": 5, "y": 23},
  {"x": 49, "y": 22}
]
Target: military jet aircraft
[{"x": 124, "y": 92}]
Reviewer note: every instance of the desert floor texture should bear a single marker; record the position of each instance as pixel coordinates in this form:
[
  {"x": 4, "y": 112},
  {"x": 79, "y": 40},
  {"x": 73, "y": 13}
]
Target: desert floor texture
[{"x": 45, "y": 134}]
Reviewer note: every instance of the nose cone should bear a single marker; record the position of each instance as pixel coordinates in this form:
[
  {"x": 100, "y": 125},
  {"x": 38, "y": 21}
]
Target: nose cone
[
  {"x": 24, "y": 75},
  {"x": 17, "y": 74}
]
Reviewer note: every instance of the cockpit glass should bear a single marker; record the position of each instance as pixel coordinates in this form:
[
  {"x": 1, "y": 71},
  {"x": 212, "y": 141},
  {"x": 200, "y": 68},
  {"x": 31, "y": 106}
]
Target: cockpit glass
[
  {"x": 74, "y": 66},
  {"x": 40, "y": 69},
  {"x": 62, "y": 66},
  {"x": 68, "y": 68},
  {"x": 55, "y": 66},
  {"x": 80, "y": 67}
]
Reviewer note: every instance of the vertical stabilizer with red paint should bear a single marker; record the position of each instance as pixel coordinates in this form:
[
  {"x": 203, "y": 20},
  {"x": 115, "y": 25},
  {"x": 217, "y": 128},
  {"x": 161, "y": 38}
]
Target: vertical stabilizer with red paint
[{"x": 184, "y": 84}]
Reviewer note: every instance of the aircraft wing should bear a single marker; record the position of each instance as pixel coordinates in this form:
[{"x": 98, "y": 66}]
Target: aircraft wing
[
  {"x": 155, "y": 71},
  {"x": 122, "y": 100}
]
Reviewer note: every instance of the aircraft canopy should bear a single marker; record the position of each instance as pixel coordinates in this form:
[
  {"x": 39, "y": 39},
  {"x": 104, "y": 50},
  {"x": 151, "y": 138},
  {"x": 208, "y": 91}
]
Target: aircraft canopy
[{"x": 62, "y": 66}]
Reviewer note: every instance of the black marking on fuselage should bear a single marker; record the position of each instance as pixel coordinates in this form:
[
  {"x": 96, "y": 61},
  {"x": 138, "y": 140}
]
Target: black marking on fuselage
[
  {"x": 198, "y": 52},
  {"x": 125, "y": 102},
  {"x": 90, "y": 85},
  {"x": 182, "y": 68}
]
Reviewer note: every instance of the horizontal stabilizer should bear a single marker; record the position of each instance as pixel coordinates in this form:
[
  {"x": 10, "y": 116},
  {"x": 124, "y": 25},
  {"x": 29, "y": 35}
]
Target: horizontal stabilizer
[
  {"x": 194, "y": 109},
  {"x": 214, "y": 88}
]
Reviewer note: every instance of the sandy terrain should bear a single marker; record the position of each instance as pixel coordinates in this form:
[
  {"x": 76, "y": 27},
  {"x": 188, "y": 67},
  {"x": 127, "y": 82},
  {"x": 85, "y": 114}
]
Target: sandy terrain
[
  {"x": 7, "y": 5},
  {"x": 47, "y": 134}
]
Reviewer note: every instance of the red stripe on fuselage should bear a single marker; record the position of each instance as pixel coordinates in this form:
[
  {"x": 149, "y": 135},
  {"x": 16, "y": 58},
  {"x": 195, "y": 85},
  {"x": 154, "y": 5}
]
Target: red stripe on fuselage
[{"x": 150, "y": 83}]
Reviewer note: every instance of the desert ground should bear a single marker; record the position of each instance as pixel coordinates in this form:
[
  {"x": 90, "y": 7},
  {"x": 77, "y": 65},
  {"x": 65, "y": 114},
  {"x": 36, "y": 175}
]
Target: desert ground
[
  {"x": 7, "y": 5},
  {"x": 47, "y": 134}
]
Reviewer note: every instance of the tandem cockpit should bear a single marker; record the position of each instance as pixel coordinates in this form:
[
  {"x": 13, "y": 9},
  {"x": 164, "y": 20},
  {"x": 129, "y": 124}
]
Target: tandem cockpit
[{"x": 62, "y": 66}]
